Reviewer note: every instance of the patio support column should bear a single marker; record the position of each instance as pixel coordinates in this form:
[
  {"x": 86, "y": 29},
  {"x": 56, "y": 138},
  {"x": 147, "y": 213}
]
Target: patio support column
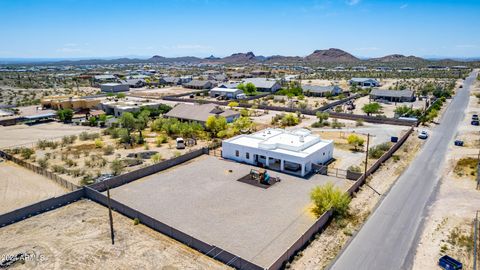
[
  {"x": 282, "y": 165},
  {"x": 303, "y": 169},
  {"x": 267, "y": 162}
]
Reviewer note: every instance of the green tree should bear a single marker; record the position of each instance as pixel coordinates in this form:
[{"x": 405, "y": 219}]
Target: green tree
[
  {"x": 243, "y": 124},
  {"x": 65, "y": 115},
  {"x": 216, "y": 124},
  {"x": 322, "y": 116},
  {"x": 289, "y": 119},
  {"x": 372, "y": 108},
  {"x": 128, "y": 122},
  {"x": 355, "y": 140},
  {"x": 141, "y": 123},
  {"x": 250, "y": 89},
  {"x": 330, "y": 197}
]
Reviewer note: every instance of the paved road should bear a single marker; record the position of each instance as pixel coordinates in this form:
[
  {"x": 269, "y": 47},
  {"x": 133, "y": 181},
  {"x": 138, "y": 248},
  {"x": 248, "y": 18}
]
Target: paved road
[{"x": 389, "y": 237}]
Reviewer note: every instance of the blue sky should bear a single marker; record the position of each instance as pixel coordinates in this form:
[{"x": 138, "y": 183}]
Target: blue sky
[{"x": 368, "y": 28}]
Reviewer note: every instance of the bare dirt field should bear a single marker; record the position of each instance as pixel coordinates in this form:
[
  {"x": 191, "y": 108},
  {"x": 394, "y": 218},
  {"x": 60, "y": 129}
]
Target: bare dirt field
[
  {"x": 20, "y": 187},
  {"x": 77, "y": 236},
  {"x": 326, "y": 246},
  {"x": 448, "y": 225},
  {"x": 159, "y": 92},
  {"x": 388, "y": 109},
  {"x": 24, "y": 134}
]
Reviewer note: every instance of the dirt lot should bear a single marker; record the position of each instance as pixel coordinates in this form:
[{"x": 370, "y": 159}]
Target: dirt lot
[
  {"x": 159, "y": 92},
  {"x": 77, "y": 236},
  {"x": 20, "y": 187},
  {"x": 320, "y": 253},
  {"x": 23, "y": 134},
  {"x": 12, "y": 96},
  {"x": 388, "y": 109},
  {"x": 448, "y": 225},
  {"x": 89, "y": 156}
]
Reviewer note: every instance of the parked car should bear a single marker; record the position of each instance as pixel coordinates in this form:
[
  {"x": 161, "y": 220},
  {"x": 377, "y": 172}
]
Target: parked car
[
  {"x": 475, "y": 123},
  {"x": 458, "y": 142},
  {"x": 180, "y": 143},
  {"x": 448, "y": 263},
  {"x": 423, "y": 135},
  {"x": 103, "y": 177}
]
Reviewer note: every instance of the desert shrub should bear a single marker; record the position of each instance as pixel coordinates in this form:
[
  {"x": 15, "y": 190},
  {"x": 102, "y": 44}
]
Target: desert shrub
[
  {"x": 117, "y": 167},
  {"x": 354, "y": 168},
  {"x": 108, "y": 150},
  {"x": 26, "y": 153},
  {"x": 377, "y": 151},
  {"x": 59, "y": 169},
  {"x": 87, "y": 180},
  {"x": 161, "y": 139},
  {"x": 85, "y": 136},
  {"x": 98, "y": 143},
  {"x": 43, "y": 162},
  {"x": 330, "y": 197},
  {"x": 136, "y": 221},
  {"x": 156, "y": 158},
  {"x": 336, "y": 124}
]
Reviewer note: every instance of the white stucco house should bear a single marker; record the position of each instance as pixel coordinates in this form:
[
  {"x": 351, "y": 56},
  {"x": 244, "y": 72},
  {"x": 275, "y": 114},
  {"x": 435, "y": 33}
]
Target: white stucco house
[{"x": 291, "y": 151}]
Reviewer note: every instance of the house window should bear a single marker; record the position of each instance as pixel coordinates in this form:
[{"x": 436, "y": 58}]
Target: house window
[
  {"x": 237, "y": 153},
  {"x": 324, "y": 153},
  {"x": 247, "y": 155}
]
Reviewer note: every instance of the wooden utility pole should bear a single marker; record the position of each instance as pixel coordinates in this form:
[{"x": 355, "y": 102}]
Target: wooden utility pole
[
  {"x": 112, "y": 234},
  {"x": 366, "y": 167},
  {"x": 366, "y": 159}
]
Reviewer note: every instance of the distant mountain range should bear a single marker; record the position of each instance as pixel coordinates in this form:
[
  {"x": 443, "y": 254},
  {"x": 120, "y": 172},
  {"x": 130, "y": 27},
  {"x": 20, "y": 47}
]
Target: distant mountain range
[{"x": 318, "y": 57}]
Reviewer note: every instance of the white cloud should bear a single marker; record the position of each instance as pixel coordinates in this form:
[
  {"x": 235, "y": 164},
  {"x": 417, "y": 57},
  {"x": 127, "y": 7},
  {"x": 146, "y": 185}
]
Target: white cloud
[
  {"x": 352, "y": 2},
  {"x": 403, "y": 6}
]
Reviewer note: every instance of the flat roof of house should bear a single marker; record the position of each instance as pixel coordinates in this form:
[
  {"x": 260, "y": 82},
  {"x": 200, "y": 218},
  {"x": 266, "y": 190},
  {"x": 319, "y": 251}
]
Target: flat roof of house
[{"x": 295, "y": 142}]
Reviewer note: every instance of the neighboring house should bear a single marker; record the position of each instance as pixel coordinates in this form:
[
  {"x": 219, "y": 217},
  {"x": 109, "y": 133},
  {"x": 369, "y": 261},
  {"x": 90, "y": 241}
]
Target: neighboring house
[
  {"x": 264, "y": 85},
  {"x": 104, "y": 78},
  {"x": 134, "y": 83},
  {"x": 117, "y": 108},
  {"x": 393, "y": 95},
  {"x": 198, "y": 84},
  {"x": 260, "y": 72},
  {"x": 294, "y": 151},
  {"x": 321, "y": 91},
  {"x": 74, "y": 103},
  {"x": 170, "y": 81},
  {"x": 231, "y": 85},
  {"x": 200, "y": 113},
  {"x": 114, "y": 87},
  {"x": 364, "y": 82},
  {"x": 229, "y": 93}
]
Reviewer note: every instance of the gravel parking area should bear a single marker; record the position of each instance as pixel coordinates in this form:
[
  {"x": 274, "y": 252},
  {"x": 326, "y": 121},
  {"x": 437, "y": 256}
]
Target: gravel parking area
[{"x": 204, "y": 199}]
